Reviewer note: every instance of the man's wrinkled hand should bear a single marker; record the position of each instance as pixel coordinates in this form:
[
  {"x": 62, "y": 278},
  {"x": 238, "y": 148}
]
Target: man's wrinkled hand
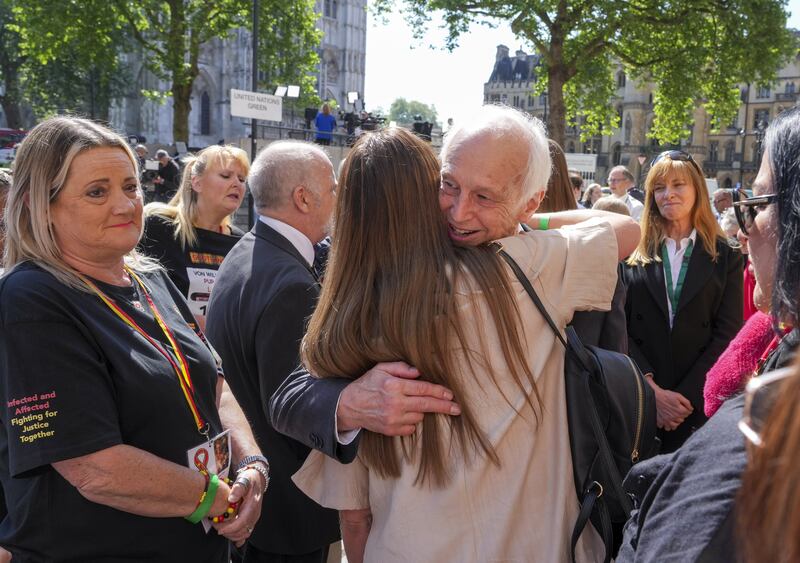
[{"x": 388, "y": 399}]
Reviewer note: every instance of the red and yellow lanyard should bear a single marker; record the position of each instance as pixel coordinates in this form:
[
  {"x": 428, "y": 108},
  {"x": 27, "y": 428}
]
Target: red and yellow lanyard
[{"x": 181, "y": 367}]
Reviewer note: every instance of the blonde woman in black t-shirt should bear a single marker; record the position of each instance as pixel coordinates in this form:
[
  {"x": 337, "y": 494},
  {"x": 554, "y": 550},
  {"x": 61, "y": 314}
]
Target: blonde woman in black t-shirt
[
  {"x": 110, "y": 398},
  {"x": 193, "y": 233}
]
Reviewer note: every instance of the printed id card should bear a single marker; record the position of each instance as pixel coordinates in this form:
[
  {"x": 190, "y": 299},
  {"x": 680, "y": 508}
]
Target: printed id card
[{"x": 215, "y": 456}]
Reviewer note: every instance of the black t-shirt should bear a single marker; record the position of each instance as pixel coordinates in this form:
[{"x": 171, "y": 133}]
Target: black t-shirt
[
  {"x": 194, "y": 269},
  {"x": 75, "y": 380}
]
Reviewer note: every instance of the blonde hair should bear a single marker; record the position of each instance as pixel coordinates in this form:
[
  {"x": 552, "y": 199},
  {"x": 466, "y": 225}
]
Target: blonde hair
[
  {"x": 181, "y": 211},
  {"x": 41, "y": 169},
  {"x": 653, "y": 224},
  {"x": 389, "y": 294}
]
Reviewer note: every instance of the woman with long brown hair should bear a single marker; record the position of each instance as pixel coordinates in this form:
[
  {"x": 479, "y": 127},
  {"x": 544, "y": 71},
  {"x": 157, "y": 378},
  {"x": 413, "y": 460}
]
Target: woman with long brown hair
[
  {"x": 495, "y": 482},
  {"x": 684, "y": 301}
]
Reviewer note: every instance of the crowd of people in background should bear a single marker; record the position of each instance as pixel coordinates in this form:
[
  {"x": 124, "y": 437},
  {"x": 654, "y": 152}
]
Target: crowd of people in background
[{"x": 363, "y": 365}]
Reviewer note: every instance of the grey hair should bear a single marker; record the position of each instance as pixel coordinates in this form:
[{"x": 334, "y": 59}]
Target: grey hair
[
  {"x": 625, "y": 172},
  {"x": 5, "y": 181},
  {"x": 280, "y": 168},
  {"x": 41, "y": 169},
  {"x": 161, "y": 153},
  {"x": 503, "y": 121}
]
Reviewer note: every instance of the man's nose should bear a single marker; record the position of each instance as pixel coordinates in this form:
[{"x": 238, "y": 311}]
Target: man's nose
[{"x": 461, "y": 209}]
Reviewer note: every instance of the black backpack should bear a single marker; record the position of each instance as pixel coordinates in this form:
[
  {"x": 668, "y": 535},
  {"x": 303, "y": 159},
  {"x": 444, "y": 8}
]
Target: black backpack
[{"x": 611, "y": 412}]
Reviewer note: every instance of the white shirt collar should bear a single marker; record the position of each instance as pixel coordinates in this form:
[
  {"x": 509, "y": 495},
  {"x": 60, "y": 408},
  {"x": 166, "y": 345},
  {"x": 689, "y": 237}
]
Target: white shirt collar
[
  {"x": 672, "y": 247},
  {"x": 300, "y": 241}
]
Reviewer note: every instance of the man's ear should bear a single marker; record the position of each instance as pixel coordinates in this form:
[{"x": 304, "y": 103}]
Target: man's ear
[
  {"x": 531, "y": 206},
  {"x": 301, "y": 197}
]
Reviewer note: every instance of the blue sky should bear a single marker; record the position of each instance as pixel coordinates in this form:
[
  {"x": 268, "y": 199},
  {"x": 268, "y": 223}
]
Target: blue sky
[{"x": 399, "y": 66}]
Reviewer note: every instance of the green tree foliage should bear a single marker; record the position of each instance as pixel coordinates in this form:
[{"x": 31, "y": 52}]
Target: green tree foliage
[
  {"x": 171, "y": 33},
  {"x": 11, "y": 61},
  {"x": 78, "y": 45},
  {"x": 693, "y": 51},
  {"x": 72, "y": 54},
  {"x": 287, "y": 54},
  {"x": 404, "y": 111}
]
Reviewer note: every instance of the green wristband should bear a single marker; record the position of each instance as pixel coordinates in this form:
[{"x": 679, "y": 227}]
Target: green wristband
[
  {"x": 544, "y": 222},
  {"x": 204, "y": 507}
]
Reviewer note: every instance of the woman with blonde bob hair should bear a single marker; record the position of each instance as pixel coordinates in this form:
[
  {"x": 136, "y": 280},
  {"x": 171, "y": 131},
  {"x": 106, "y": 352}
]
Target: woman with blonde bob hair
[
  {"x": 101, "y": 411},
  {"x": 684, "y": 301},
  {"x": 496, "y": 480},
  {"x": 193, "y": 233}
]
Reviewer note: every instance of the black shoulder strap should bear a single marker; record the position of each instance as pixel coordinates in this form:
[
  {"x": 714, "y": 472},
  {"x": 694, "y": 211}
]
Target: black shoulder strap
[
  {"x": 589, "y": 500},
  {"x": 523, "y": 279}
]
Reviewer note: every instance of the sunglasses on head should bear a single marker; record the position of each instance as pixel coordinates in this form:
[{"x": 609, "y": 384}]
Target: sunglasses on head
[
  {"x": 676, "y": 155},
  {"x": 747, "y": 208}
]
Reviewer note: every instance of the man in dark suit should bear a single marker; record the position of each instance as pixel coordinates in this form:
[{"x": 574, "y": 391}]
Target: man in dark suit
[{"x": 265, "y": 290}]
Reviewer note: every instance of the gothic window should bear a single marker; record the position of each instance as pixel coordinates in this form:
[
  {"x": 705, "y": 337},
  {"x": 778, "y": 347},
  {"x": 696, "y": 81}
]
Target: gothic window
[
  {"x": 571, "y": 147},
  {"x": 616, "y": 154},
  {"x": 763, "y": 92},
  {"x": 790, "y": 88},
  {"x": 205, "y": 114},
  {"x": 619, "y": 113},
  {"x": 713, "y": 151},
  {"x": 729, "y": 149},
  {"x": 516, "y": 101},
  {"x": 628, "y": 130},
  {"x": 727, "y": 184},
  {"x": 621, "y": 79},
  {"x": 331, "y": 8},
  {"x": 530, "y": 101}
]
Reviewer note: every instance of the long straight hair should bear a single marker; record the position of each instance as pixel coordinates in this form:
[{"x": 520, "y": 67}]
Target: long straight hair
[
  {"x": 389, "y": 294},
  {"x": 768, "y": 502},
  {"x": 559, "y": 196},
  {"x": 182, "y": 208},
  {"x": 654, "y": 225}
]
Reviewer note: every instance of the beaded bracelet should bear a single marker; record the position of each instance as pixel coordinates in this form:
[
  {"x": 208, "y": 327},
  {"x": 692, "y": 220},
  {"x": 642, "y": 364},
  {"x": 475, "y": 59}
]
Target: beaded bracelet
[{"x": 230, "y": 511}]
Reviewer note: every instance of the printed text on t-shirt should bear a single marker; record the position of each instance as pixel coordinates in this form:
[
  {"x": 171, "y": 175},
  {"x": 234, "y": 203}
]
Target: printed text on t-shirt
[{"x": 32, "y": 415}]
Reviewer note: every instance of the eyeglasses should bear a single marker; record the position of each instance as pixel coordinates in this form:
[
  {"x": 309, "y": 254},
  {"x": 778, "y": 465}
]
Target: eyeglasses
[
  {"x": 759, "y": 396},
  {"x": 746, "y": 209}
]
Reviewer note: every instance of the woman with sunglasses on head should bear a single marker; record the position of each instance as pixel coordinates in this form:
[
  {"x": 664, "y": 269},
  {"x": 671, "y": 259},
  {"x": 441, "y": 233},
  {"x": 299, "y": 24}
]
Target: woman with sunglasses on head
[
  {"x": 687, "y": 499},
  {"x": 684, "y": 301}
]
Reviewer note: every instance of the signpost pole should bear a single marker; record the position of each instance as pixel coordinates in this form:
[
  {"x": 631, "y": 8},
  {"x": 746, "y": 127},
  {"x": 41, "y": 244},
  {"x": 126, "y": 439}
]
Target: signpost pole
[{"x": 254, "y": 123}]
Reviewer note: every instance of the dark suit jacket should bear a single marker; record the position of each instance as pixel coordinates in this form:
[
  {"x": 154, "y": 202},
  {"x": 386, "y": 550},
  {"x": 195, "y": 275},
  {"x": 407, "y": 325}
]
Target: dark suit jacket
[
  {"x": 605, "y": 329},
  {"x": 708, "y": 316},
  {"x": 262, "y": 298}
]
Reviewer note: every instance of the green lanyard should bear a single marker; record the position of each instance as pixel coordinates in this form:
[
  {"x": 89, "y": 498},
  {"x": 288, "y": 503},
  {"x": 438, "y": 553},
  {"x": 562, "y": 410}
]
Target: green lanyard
[{"x": 674, "y": 294}]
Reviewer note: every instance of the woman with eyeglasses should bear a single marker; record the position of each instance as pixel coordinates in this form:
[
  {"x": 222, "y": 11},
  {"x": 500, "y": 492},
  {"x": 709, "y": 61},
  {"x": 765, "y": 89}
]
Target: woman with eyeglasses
[
  {"x": 687, "y": 501},
  {"x": 684, "y": 301}
]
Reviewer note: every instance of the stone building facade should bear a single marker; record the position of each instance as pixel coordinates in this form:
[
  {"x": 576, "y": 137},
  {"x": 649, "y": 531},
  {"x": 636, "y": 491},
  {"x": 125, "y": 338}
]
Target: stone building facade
[
  {"x": 730, "y": 155},
  {"x": 227, "y": 63}
]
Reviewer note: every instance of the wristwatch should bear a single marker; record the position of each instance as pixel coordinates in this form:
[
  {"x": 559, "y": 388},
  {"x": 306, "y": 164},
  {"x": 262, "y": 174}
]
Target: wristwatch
[{"x": 260, "y": 464}]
